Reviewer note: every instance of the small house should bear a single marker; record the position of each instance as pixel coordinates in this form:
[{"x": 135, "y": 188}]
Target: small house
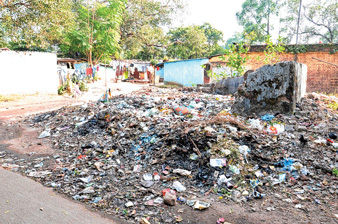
[{"x": 187, "y": 72}]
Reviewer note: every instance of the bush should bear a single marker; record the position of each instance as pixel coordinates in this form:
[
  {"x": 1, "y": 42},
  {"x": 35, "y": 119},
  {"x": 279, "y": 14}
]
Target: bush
[{"x": 83, "y": 86}]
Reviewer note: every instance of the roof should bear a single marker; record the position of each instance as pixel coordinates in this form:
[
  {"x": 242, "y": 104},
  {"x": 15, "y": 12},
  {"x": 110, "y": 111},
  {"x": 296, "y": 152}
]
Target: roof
[
  {"x": 195, "y": 59},
  {"x": 72, "y": 60}
]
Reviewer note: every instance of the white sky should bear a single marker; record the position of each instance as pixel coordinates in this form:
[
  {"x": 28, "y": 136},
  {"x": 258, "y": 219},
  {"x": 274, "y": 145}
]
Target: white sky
[{"x": 221, "y": 14}]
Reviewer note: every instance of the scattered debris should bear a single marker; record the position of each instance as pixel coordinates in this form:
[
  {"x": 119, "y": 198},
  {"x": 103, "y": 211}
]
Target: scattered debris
[{"x": 136, "y": 154}]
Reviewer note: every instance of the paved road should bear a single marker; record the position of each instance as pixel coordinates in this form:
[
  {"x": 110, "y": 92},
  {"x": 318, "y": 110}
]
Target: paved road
[
  {"x": 32, "y": 104},
  {"x": 21, "y": 200}
]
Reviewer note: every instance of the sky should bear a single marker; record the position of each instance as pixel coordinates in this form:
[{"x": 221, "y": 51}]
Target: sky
[{"x": 221, "y": 14}]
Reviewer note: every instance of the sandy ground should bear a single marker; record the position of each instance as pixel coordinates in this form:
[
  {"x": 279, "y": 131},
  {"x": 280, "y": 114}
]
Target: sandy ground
[{"x": 32, "y": 104}]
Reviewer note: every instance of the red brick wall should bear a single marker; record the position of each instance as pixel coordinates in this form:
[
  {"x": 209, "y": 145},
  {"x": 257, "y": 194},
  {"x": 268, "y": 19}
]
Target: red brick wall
[{"x": 322, "y": 77}]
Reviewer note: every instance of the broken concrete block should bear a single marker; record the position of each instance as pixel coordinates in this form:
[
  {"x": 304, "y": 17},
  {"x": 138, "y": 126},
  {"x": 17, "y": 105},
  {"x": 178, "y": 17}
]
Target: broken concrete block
[
  {"x": 272, "y": 89},
  {"x": 228, "y": 86}
]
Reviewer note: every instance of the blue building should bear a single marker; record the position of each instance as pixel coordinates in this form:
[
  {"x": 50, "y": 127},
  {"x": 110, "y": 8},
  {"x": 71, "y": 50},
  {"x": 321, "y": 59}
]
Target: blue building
[{"x": 186, "y": 72}]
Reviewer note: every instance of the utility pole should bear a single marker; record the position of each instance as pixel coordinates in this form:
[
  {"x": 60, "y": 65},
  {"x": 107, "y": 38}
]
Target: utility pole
[
  {"x": 268, "y": 26},
  {"x": 300, "y": 8}
]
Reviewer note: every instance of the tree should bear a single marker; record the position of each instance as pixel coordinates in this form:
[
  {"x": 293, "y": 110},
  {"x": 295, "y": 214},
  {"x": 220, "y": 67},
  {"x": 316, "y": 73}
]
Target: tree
[
  {"x": 143, "y": 23},
  {"x": 256, "y": 15},
  {"x": 97, "y": 33},
  {"x": 187, "y": 42},
  {"x": 214, "y": 38},
  {"x": 34, "y": 23},
  {"x": 236, "y": 38},
  {"x": 319, "y": 21}
]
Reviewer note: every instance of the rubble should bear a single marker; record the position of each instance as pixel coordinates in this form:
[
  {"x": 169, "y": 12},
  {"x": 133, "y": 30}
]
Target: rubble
[
  {"x": 137, "y": 154},
  {"x": 272, "y": 89}
]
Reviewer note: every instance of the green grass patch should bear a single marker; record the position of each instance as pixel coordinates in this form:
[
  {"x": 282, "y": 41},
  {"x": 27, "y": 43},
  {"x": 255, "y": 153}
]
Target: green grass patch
[{"x": 333, "y": 105}]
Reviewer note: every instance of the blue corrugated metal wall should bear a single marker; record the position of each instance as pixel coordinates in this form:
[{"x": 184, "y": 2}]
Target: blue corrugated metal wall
[
  {"x": 160, "y": 72},
  {"x": 186, "y": 72}
]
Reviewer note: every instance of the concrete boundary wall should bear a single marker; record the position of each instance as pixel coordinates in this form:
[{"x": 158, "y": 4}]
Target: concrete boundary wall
[{"x": 28, "y": 73}]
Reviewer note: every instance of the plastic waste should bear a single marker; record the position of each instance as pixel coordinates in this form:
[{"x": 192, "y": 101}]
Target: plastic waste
[
  {"x": 304, "y": 171},
  {"x": 218, "y": 162},
  {"x": 333, "y": 135},
  {"x": 40, "y": 174},
  {"x": 168, "y": 190},
  {"x": 256, "y": 124},
  {"x": 193, "y": 156},
  {"x": 267, "y": 117},
  {"x": 39, "y": 165},
  {"x": 220, "y": 220},
  {"x": 129, "y": 204},
  {"x": 276, "y": 129},
  {"x": 147, "y": 176},
  {"x": 86, "y": 179},
  {"x": 182, "y": 172},
  {"x": 244, "y": 149},
  {"x": 234, "y": 169},
  {"x": 44, "y": 134},
  {"x": 156, "y": 176},
  {"x": 137, "y": 168},
  {"x": 201, "y": 205},
  {"x": 88, "y": 190},
  {"x": 181, "y": 110},
  {"x": 320, "y": 141},
  {"x": 222, "y": 180},
  {"x": 178, "y": 186}
]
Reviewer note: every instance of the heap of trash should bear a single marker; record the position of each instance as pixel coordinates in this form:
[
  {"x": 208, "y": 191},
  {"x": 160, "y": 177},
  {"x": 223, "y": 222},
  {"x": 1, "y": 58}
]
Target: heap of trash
[{"x": 137, "y": 154}]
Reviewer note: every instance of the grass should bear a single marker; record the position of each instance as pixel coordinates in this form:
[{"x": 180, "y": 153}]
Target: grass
[
  {"x": 8, "y": 98},
  {"x": 333, "y": 105},
  {"x": 335, "y": 172}
]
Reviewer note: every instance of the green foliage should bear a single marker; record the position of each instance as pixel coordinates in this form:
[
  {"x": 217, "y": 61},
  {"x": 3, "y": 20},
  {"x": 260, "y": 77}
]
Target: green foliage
[
  {"x": 333, "y": 105},
  {"x": 272, "y": 50},
  {"x": 319, "y": 21},
  {"x": 35, "y": 24},
  {"x": 296, "y": 49},
  {"x": 214, "y": 38},
  {"x": 61, "y": 90},
  {"x": 187, "y": 42},
  {"x": 256, "y": 15},
  {"x": 333, "y": 51},
  {"x": 83, "y": 86},
  {"x": 335, "y": 172},
  {"x": 142, "y": 34},
  {"x": 236, "y": 38},
  {"x": 237, "y": 57},
  {"x": 97, "y": 33}
]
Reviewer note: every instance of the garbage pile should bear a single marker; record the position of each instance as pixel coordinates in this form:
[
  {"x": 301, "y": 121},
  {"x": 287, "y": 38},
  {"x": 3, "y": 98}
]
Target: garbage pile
[{"x": 140, "y": 153}]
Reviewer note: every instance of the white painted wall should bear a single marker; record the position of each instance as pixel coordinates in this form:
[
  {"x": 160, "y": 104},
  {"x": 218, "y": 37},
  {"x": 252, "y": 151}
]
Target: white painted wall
[{"x": 28, "y": 73}]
